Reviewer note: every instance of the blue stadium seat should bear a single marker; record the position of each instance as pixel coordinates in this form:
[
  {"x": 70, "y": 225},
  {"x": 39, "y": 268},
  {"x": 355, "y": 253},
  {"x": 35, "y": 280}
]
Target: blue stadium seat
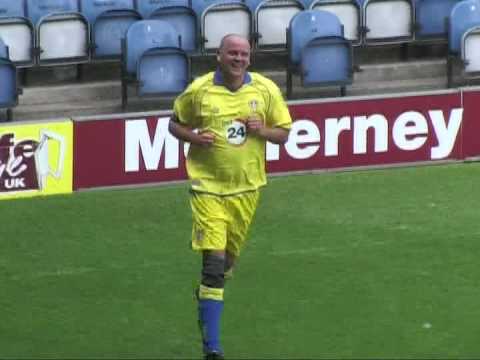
[
  {"x": 109, "y": 21},
  {"x": 470, "y": 50},
  {"x": 315, "y": 39},
  {"x": 150, "y": 43},
  {"x": 184, "y": 20},
  {"x": 62, "y": 35},
  {"x": 327, "y": 61},
  {"x": 147, "y": 7},
  {"x": 308, "y": 25},
  {"x": 234, "y": 16},
  {"x": 144, "y": 35},
  {"x": 8, "y": 79},
  {"x": 431, "y": 18},
  {"x": 37, "y": 9},
  {"x": 464, "y": 15},
  {"x": 16, "y": 30},
  {"x": 388, "y": 21},
  {"x": 164, "y": 71},
  {"x": 271, "y": 20},
  {"x": 348, "y": 11}
]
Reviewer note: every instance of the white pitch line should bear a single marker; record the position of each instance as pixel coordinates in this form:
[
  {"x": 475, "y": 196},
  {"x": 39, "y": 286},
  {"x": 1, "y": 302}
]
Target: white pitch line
[
  {"x": 299, "y": 251},
  {"x": 327, "y": 251},
  {"x": 72, "y": 271}
]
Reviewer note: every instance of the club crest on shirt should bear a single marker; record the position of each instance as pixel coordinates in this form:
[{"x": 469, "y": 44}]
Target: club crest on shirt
[{"x": 253, "y": 104}]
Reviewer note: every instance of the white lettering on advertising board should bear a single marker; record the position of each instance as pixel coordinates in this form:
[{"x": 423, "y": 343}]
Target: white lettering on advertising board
[
  {"x": 138, "y": 142},
  {"x": 409, "y": 132}
]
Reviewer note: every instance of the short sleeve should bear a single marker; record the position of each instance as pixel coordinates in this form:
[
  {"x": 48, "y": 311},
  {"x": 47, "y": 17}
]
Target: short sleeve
[
  {"x": 183, "y": 107},
  {"x": 278, "y": 114}
]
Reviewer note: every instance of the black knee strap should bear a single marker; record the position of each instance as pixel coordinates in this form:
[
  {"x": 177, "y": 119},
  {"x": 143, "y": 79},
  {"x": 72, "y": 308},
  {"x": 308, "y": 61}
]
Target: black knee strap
[
  {"x": 213, "y": 270},
  {"x": 229, "y": 261}
]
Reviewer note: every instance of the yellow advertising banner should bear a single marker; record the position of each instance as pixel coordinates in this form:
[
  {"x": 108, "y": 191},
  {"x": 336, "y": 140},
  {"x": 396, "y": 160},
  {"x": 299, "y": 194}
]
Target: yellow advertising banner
[{"x": 36, "y": 159}]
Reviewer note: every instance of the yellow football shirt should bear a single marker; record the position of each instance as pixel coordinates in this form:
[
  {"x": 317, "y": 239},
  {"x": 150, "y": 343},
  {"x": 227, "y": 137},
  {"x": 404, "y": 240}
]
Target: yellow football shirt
[{"x": 235, "y": 163}]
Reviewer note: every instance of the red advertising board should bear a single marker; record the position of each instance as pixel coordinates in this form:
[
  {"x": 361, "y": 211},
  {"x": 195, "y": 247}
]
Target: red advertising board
[
  {"x": 369, "y": 132},
  {"x": 325, "y": 135},
  {"x": 125, "y": 152},
  {"x": 471, "y": 127}
]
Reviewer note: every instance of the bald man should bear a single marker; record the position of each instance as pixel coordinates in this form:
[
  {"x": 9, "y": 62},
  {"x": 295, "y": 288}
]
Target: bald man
[{"x": 227, "y": 116}]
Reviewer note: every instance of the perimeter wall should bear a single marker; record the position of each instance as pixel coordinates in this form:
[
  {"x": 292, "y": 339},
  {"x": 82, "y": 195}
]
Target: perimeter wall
[{"x": 62, "y": 156}]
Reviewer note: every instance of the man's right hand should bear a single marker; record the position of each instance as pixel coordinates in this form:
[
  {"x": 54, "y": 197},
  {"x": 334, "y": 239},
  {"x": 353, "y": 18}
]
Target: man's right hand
[
  {"x": 185, "y": 133},
  {"x": 205, "y": 138}
]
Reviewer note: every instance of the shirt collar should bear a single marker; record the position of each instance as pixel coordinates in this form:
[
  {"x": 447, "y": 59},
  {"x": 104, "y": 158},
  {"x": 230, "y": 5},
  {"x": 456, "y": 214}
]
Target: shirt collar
[{"x": 218, "y": 78}]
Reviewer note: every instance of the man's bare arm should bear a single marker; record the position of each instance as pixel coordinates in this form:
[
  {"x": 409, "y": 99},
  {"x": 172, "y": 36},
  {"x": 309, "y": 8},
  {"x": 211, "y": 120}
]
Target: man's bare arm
[
  {"x": 187, "y": 134},
  {"x": 275, "y": 135}
]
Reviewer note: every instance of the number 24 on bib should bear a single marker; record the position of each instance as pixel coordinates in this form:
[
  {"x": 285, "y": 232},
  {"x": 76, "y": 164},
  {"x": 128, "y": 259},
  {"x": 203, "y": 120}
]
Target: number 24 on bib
[{"x": 236, "y": 132}]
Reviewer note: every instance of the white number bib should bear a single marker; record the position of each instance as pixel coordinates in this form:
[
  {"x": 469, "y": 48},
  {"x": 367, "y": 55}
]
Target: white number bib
[{"x": 236, "y": 132}]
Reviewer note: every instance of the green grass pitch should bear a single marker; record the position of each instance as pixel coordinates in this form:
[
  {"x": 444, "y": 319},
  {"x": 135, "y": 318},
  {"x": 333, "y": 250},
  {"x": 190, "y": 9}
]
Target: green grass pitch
[{"x": 366, "y": 264}]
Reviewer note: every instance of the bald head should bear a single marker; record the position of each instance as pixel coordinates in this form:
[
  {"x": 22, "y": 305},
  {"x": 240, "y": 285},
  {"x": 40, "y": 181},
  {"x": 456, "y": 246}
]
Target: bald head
[
  {"x": 233, "y": 38},
  {"x": 233, "y": 58}
]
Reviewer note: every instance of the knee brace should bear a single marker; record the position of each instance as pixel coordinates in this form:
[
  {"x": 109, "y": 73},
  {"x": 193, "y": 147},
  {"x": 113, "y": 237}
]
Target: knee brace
[
  {"x": 213, "y": 271},
  {"x": 228, "y": 269}
]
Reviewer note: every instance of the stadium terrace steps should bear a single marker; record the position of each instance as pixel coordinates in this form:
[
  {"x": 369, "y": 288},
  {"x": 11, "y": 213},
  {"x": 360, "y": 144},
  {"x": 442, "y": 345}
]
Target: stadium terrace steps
[
  {"x": 99, "y": 91},
  {"x": 372, "y": 88},
  {"x": 418, "y": 69},
  {"x": 91, "y": 104},
  {"x": 70, "y": 93}
]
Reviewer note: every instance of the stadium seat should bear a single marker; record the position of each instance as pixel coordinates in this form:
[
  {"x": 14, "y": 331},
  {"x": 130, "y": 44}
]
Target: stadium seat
[
  {"x": 8, "y": 79},
  {"x": 348, "y": 11},
  {"x": 223, "y": 17},
  {"x": 471, "y": 50},
  {"x": 327, "y": 61},
  {"x": 16, "y": 30},
  {"x": 62, "y": 35},
  {"x": 184, "y": 20},
  {"x": 144, "y": 35},
  {"x": 164, "y": 71},
  {"x": 431, "y": 18},
  {"x": 315, "y": 38},
  {"x": 147, "y": 7},
  {"x": 271, "y": 19},
  {"x": 307, "y": 25},
  {"x": 464, "y": 16},
  {"x": 388, "y": 21},
  {"x": 153, "y": 60},
  {"x": 109, "y": 21}
]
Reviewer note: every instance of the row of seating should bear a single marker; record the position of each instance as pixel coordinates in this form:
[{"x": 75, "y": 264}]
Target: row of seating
[
  {"x": 319, "y": 41},
  {"x": 317, "y": 51},
  {"x": 155, "y": 62}
]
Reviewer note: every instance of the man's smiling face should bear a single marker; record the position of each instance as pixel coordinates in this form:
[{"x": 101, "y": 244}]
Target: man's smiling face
[{"x": 234, "y": 57}]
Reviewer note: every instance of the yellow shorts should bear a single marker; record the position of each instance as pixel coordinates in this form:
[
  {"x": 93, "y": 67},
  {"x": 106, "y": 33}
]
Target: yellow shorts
[{"x": 222, "y": 222}]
